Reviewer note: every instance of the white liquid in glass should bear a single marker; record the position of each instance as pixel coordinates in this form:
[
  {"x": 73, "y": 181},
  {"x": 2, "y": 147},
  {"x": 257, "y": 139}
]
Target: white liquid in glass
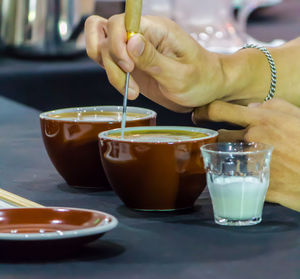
[{"x": 237, "y": 198}]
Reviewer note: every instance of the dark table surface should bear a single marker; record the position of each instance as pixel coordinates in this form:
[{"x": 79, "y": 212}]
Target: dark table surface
[{"x": 144, "y": 245}]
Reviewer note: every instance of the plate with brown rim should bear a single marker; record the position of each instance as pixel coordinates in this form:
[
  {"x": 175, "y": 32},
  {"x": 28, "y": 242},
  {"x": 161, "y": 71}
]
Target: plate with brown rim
[{"x": 53, "y": 226}]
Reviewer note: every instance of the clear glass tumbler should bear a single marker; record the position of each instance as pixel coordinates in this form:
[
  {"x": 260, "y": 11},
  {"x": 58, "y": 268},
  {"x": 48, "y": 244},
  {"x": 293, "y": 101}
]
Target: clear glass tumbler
[{"x": 237, "y": 178}]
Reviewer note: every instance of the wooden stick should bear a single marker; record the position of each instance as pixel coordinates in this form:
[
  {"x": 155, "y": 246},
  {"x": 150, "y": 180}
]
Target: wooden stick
[
  {"x": 133, "y": 11},
  {"x": 17, "y": 200}
]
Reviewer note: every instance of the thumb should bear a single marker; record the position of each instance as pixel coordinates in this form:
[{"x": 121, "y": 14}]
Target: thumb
[
  {"x": 149, "y": 60},
  {"x": 231, "y": 135}
]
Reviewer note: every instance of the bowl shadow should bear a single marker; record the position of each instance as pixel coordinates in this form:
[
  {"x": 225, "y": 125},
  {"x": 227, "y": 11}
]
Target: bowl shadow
[
  {"x": 139, "y": 214},
  {"x": 97, "y": 251},
  {"x": 64, "y": 187}
]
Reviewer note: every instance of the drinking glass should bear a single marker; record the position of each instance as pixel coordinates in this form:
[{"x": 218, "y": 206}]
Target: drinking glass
[{"x": 237, "y": 177}]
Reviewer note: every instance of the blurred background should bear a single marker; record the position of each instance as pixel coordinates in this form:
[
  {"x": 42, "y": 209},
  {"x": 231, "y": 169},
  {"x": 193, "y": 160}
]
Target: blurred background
[{"x": 43, "y": 62}]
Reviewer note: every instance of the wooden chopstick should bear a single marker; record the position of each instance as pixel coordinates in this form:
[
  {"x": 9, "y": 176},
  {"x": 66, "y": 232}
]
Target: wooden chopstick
[{"x": 17, "y": 200}]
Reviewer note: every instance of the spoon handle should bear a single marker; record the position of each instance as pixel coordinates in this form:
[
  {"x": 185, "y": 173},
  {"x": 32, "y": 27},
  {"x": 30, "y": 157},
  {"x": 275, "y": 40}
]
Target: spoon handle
[{"x": 133, "y": 12}]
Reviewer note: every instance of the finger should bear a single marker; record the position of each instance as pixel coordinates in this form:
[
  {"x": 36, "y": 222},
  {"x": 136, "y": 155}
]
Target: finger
[
  {"x": 155, "y": 95},
  {"x": 258, "y": 134},
  {"x": 137, "y": 51},
  {"x": 285, "y": 198},
  {"x": 158, "y": 66},
  {"x": 220, "y": 111},
  {"x": 283, "y": 106},
  {"x": 117, "y": 77},
  {"x": 117, "y": 42},
  {"x": 275, "y": 137},
  {"x": 231, "y": 135},
  {"x": 95, "y": 35}
]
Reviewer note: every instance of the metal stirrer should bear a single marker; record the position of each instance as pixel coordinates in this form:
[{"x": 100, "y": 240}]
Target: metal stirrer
[{"x": 133, "y": 13}]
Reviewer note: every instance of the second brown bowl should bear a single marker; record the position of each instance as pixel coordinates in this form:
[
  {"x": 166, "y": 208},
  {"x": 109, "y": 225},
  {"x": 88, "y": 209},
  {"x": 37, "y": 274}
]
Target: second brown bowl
[{"x": 156, "y": 174}]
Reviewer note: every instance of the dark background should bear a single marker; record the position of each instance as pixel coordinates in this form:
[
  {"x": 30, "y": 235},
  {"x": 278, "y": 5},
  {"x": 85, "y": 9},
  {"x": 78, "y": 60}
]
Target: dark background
[{"x": 50, "y": 84}]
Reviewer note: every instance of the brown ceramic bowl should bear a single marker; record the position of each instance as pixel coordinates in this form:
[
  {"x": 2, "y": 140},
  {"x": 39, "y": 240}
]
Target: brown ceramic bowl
[
  {"x": 155, "y": 174},
  {"x": 70, "y": 137},
  {"x": 53, "y": 226}
]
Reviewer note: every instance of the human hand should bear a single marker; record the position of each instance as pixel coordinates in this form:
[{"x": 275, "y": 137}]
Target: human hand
[
  {"x": 167, "y": 65},
  {"x": 275, "y": 122}
]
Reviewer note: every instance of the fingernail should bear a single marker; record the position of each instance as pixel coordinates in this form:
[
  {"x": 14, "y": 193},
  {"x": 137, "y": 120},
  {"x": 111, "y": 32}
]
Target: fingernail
[
  {"x": 131, "y": 93},
  {"x": 124, "y": 65},
  {"x": 254, "y": 105},
  {"x": 136, "y": 45}
]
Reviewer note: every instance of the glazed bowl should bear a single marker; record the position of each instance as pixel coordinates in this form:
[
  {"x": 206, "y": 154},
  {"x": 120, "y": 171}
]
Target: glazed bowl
[
  {"x": 70, "y": 137},
  {"x": 160, "y": 173}
]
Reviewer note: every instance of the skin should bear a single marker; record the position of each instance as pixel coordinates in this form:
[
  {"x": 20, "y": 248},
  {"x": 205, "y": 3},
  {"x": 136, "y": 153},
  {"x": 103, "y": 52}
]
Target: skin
[
  {"x": 162, "y": 61},
  {"x": 172, "y": 69},
  {"x": 275, "y": 122}
]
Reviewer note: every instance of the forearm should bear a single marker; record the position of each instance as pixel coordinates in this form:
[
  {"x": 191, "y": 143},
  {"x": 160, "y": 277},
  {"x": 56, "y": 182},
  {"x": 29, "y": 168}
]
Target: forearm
[{"x": 248, "y": 76}]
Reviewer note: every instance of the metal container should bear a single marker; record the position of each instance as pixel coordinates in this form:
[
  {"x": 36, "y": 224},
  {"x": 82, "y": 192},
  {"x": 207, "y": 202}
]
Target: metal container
[{"x": 44, "y": 27}]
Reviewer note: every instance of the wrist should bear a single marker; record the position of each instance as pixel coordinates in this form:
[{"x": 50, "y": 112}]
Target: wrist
[
  {"x": 209, "y": 78},
  {"x": 246, "y": 76}
]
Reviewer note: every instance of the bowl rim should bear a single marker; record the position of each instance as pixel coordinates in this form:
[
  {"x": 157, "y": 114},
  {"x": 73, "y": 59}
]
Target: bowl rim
[
  {"x": 210, "y": 134},
  {"x": 212, "y": 148},
  {"x": 108, "y": 223},
  {"x": 48, "y": 114}
]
